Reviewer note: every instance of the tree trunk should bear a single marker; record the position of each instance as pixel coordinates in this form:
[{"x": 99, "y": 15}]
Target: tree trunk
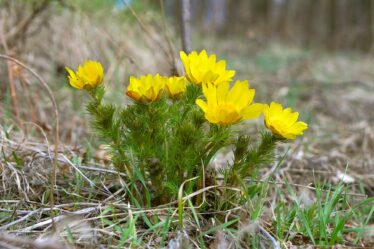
[{"x": 186, "y": 25}]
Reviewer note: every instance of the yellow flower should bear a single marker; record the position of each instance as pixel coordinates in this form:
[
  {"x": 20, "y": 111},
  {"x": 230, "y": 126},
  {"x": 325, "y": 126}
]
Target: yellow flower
[
  {"x": 176, "y": 86},
  {"x": 283, "y": 122},
  {"x": 146, "y": 88},
  {"x": 201, "y": 68},
  {"x": 88, "y": 76},
  {"x": 226, "y": 106}
]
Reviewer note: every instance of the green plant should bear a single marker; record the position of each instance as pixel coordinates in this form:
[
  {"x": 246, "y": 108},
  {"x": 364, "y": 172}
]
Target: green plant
[
  {"x": 323, "y": 222},
  {"x": 168, "y": 136}
]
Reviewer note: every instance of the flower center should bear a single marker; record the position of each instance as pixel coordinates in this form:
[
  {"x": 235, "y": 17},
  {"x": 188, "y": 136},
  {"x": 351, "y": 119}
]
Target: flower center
[{"x": 227, "y": 114}]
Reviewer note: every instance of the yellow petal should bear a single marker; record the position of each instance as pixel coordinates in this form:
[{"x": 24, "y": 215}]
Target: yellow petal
[
  {"x": 73, "y": 80},
  {"x": 253, "y": 111},
  {"x": 291, "y": 118},
  {"x": 203, "y": 105},
  {"x": 283, "y": 122},
  {"x": 203, "y": 54},
  {"x": 275, "y": 109},
  {"x": 201, "y": 68},
  {"x": 289, "y": 136},
  {"x": 222, "y": 92},
  {"x": 146, "y": 87},
  {"x": 299, "y": 127},
  {"x": 241, "y": 94},
  {"x": 90, "y": 74},
  {"x": 134, "y": 95},
  {"x": 211, "y": 95}
]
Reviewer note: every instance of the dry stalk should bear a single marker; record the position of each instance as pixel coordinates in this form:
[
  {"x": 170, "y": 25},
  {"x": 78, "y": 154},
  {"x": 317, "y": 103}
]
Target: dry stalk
[
  {"x": 271, "y": 238},
  {"x": 171, "y": 48},
  {"x": 57, "y": 128},
  {"x": 12, "y": 87},
  {"x": 27, "y": 243},
  {"x": 149, "y": 33},
  {"x": 30, "y": 102}
]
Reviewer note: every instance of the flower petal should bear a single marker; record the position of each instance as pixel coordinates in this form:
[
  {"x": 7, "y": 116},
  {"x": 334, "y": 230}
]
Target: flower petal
[
  {"x": 73, "y": 80},
  {"x": 202, "y": 104},
  {"x": 240, "y": 94},
  {"x": 201, "y": 68},
  {"x": 253, "y": 111},
  {"x": 299, "y": 127},
  {"x": 283, "y": 122},
  {"x": 222, "y": 91}
]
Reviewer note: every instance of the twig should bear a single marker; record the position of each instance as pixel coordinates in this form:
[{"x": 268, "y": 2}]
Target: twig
[
  {"x": 271, "y": 238},
  {"x": 19, "y": 220},
  {"x": 100, "y": 169},
  {"x": 23, "y": 242},
  {"x": 78, "y": 170},
  {"x": 56, "y": 219}
]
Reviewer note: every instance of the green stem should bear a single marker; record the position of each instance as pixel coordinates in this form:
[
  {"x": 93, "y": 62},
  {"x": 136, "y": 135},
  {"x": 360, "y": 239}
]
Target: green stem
[{"x": 255, "y": 157}]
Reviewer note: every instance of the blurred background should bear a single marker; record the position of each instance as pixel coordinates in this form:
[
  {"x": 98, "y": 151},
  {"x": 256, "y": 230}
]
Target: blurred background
[
  {"x": 312, "y": 55},
  {"x": 327, "y": 24}
]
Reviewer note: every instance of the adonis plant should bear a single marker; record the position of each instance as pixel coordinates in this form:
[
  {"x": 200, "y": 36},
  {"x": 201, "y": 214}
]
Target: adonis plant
[{"x": 175, "y": 126}]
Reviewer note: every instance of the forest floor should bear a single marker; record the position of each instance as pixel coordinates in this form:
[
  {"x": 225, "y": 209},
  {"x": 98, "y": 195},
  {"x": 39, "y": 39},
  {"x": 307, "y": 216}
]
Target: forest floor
[{"x": 327, "y": 173}]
